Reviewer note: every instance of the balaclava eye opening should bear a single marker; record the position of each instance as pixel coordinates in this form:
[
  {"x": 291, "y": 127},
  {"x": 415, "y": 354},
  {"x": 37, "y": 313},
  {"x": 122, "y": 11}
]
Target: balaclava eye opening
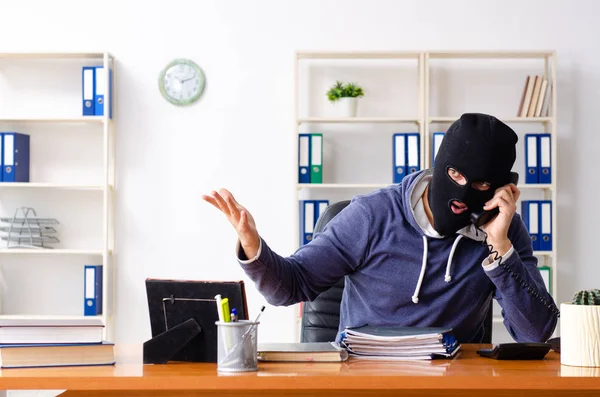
[{"x": 482, "y": 149}]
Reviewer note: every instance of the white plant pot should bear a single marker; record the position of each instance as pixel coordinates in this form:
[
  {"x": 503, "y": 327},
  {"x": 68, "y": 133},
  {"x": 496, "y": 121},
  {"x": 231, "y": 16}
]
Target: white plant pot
[
  {"x": 580, "y": 335},
  {"x": 348, "y": 106}
]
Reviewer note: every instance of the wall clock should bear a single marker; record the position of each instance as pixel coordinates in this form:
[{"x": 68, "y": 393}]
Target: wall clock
[{"x": 181, "y": 82}]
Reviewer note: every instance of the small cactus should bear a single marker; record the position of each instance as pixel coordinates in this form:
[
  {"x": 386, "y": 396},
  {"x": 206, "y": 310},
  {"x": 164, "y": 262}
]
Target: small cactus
[{"x": 590, "y": 297}]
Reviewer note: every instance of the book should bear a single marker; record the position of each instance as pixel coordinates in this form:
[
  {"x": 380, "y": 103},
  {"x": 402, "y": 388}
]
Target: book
[
  {"x": 535, "y": 96},
  {"x": 22, "y": 330},
  {"x": 56, "y": 355},
  {"x": 541, "y": 96},
  {"x": 528, "y": 96},
  {"x": 400, "y": 343},
  {"x": 298, "y": 352},
  {"x": 523, "y": 96}
]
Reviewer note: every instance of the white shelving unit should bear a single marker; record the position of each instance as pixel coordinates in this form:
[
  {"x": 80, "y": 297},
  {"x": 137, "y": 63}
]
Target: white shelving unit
[
  {"x": 66, "y": 115},
  {"x": 425, "y": 116}
]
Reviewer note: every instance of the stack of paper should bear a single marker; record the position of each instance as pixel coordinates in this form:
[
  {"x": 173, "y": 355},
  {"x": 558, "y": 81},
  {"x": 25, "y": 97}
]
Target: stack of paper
[{"x": 400, "y": 343}]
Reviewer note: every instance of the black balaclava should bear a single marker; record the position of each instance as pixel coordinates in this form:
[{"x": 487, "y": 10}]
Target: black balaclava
[{"x": 482, "y": 149}]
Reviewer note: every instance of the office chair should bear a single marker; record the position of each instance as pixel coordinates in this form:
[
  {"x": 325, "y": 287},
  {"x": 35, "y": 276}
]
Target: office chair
[{"x": 321, "y": 317}]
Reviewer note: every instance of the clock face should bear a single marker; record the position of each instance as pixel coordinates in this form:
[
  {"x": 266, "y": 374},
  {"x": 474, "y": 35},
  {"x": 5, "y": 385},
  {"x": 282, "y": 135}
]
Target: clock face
[{"x": 181, "y": 82}]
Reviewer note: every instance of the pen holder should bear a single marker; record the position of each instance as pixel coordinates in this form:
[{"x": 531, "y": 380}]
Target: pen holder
[{"x": 237, "y": 349}]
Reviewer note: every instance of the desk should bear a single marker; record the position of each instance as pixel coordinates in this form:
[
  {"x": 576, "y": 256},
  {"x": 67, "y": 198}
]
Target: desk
[{"x": 466, "y": 375}]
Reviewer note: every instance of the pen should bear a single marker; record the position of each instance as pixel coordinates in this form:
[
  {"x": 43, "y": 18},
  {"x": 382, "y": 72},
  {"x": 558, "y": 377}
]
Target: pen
[{"x": 234, "y": 316}]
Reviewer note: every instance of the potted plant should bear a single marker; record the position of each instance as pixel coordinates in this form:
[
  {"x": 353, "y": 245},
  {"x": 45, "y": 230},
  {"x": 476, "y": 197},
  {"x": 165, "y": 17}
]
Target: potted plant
[
  {"x": 580, "y": 330},
  {"x": 346, "y": 95}
]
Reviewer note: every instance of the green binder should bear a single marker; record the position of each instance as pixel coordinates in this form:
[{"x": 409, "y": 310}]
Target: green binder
[
  {"x": 546, "y": 273},
  {"x": 316, "y": 158}
]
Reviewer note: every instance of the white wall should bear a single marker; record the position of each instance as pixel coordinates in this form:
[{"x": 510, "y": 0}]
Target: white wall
[{"x": 240, "y": 135}]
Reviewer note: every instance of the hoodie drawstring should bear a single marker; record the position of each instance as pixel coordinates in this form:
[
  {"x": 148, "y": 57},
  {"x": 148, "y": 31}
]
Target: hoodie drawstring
[
  {"x": 447, "y": 277},
  {"x": 415, "y": 297}
]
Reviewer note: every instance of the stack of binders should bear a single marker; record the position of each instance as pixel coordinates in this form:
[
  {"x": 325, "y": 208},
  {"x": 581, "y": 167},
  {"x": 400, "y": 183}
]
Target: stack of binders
[
  {"x": 310, "y": 158},
  {"x": 93, "y": 88},
  {"x": 400, "y": 343},
  {"x": 538, "y": 158},
  {"x": 406, "y": 153}
]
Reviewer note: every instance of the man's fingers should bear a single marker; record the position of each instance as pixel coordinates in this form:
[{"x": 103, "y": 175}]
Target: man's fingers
[
  {"x": 232, "y": 205},
  {"x": 502, "y": 204},
  {"x": 515, "y": 191},
  {"x": 221, "y": 203},
  {"x": 506, "y": 192},
  {"x": 212, "y": 201}
]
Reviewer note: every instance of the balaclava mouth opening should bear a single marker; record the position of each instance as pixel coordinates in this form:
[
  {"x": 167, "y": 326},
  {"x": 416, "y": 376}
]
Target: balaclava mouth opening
[{"x": 482, "y": 149}]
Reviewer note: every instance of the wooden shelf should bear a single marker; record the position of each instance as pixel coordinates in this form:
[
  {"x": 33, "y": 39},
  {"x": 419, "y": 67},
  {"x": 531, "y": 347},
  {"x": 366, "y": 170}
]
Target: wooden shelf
[
  {"x": 491, "y": 54},
  {"x": 358, "y": 120},
  {"x": 53, "y": 251},
  {"x": 54, "y": 55},
  {"x": 343, "y": 185},
  {"x": 547, "y": 186},
  {"x": 358, "y": 55},
  {"x": 55, "y": 120},
  {"x": 505, "y": 120},
  {"x": 47, "y": 185},
  {"x": 44, "y": 317}
]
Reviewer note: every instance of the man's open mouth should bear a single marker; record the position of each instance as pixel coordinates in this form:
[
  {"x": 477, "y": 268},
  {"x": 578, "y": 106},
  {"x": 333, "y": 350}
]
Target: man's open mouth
[{"x": 458, "y": 207}]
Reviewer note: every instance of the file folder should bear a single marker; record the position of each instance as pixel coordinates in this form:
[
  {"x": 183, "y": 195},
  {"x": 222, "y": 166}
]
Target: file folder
[
  {"x": 99, "y": 91},
  {"x": 530, "y": 214},
  {"x": 88, "y": 90},
  {"x": 304, "y": 158},
  {"x": 547, "y": 277},
  {"x": 2, "y": 156},
  {"x": 545, "y": 158},
  {"x": 93, "y": 290},
  {"x": 320, "y": 208},
  {"x": 399, "y": 145},
  {"x": 545, "y": 225},
  {"x": 412, "y": 152},
  {"x": 307, "y": 220},
  {"x": 531, "y": 158},
  {"x": 316, "y": 158},
  {"x": 437, "y": 141},
  {"x": 15, "y": 157}
]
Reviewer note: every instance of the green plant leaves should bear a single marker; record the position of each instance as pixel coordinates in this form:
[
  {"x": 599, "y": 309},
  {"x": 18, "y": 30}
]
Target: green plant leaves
[{"x": 341, "y": 90}]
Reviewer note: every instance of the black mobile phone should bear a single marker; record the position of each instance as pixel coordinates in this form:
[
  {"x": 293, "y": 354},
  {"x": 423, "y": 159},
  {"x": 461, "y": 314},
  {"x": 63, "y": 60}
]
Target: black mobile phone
[{"x": 481, "y": 218}]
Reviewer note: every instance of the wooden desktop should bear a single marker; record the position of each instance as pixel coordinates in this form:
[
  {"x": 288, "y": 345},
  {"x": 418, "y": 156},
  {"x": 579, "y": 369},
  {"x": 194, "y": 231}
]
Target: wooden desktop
[{"x": 466, "y": 375}]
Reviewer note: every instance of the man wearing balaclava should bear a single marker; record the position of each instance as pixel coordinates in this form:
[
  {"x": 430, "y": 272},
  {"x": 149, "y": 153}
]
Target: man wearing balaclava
[{"x": 409, "y": 252}]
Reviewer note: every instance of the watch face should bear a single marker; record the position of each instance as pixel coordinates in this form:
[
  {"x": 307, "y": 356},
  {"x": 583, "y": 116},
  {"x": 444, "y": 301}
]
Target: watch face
[{"x": 181, "y": 82}]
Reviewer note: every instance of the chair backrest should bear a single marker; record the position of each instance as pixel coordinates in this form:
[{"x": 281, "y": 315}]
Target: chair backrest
[{"x": 321, "y": 317}]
